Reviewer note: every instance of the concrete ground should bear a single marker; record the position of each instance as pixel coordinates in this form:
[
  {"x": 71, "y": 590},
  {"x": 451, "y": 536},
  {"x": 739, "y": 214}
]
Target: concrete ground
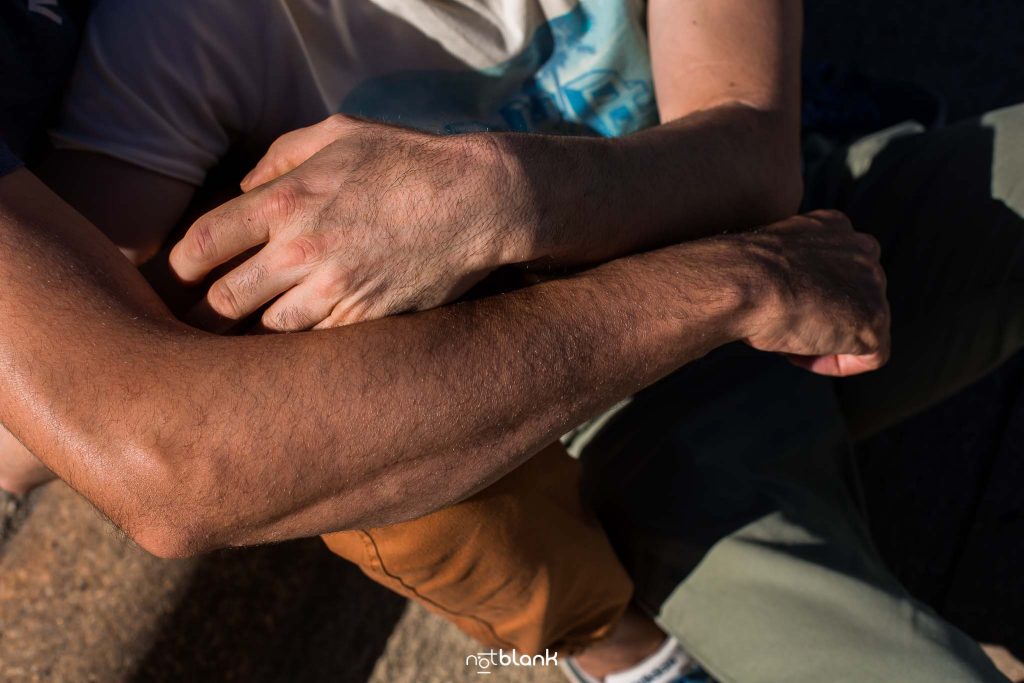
[{"x": 78, "y": 602}]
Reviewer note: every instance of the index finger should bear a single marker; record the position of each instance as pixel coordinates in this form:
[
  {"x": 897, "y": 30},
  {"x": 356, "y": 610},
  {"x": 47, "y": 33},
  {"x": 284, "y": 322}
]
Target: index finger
[{"x": 218, "y": 236}]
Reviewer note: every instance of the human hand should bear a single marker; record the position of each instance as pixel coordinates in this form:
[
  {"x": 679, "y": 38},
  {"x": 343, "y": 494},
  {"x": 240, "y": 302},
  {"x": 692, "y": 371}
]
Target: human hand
[
  {"x": 20, "y": 471},
  {"x": 823, "y": 294},
  {"x": 368, "y": 220}
]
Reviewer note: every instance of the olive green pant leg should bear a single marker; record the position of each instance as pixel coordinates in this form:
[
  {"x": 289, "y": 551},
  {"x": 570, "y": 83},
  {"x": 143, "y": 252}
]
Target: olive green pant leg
[
  {"x": 730, "y": 489},
  {"x": 948, "y": 209},
  {"x": 748, "y": 456}
]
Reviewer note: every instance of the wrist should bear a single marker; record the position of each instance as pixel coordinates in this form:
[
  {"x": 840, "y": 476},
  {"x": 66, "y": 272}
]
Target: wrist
[
  {"x": 739, "y": 286},
  {"x": 506, "y": 207},
  {"x": 554, "y": 198},
  {"x": 755, "y": 284},
  {"x": 705, "y": 290}
]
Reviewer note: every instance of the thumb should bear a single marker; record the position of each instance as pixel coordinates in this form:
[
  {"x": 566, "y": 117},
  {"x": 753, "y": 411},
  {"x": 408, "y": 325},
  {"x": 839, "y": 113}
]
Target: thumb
[
  {"x": 838, "y": 365},
  {"x": 293, "y": 149}
]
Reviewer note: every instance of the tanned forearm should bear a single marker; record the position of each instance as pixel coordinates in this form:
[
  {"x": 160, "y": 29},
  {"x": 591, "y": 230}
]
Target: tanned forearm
[
  {"x": 191, "y": 441},
  {"x": 456, "y": 207},
  {"x": 730, "y": 167},
  {"x": 726, "y": 157}
]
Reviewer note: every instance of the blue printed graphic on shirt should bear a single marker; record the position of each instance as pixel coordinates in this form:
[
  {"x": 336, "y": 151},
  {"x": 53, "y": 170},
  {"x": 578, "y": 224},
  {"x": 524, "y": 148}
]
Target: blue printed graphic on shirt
[{"x": 585, "y": 72}]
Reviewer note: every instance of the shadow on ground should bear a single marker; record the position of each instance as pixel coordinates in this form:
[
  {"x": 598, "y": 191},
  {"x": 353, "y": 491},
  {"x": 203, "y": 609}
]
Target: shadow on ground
[{"x": 290, "y": 612}]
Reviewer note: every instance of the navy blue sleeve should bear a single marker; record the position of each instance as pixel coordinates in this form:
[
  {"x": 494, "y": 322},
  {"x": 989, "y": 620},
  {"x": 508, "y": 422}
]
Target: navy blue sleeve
[{"x": 8, "y": 162}]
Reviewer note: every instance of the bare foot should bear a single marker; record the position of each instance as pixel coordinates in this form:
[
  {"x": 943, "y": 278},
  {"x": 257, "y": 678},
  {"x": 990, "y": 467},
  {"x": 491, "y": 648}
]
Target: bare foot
[
  {"x": 633, "y": 639},
  {"x": 20, "y": 471}
]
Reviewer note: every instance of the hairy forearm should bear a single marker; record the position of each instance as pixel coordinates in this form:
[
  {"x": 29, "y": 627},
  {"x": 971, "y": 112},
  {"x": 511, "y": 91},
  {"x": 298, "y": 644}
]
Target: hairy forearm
[
  {"x": 66, "y": 296},
  {"x": 192, "y": 441},
  {"x": 730, "y": 167},
  {"x": 385, "y": 421}
]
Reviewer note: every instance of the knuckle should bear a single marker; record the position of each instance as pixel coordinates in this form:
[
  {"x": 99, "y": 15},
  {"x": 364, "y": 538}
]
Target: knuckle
[
  {"x": 881, "y": 282},
  {"x": 872, "y": 339},
  {"x": 337, "y": 317},
  {"x": 869, "y": 244},
  {"x": 865, "y": 343},
  {"x": 303, "y": 250},
  {"x": 224, "y": 300},
  {"x": 276, "y": 147},
  {"x": 350, "y": 314},
  {"x": 202, "y": 244},
  {"x": 830, "y": 217},
  {"x": 272, "y": 162},
  {"x": 335, "y": 280},
  {"x": 283, "y": 199}
]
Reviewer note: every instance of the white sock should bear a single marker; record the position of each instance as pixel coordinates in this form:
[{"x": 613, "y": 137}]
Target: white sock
[{"x": 668, "y": 663}]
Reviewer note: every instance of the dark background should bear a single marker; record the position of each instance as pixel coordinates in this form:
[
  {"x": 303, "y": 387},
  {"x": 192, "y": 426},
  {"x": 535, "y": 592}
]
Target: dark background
[
  {"x": 971, "y": 51},
  {"x": 946, "y": 489}
]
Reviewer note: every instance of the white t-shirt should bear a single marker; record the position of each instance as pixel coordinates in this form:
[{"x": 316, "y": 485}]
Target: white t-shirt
[{"x": 172, "y": 85}]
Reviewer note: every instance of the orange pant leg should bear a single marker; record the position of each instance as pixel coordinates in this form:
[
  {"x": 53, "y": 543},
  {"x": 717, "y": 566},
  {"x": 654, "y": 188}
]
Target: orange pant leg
[{"x": 521, "y": 564}]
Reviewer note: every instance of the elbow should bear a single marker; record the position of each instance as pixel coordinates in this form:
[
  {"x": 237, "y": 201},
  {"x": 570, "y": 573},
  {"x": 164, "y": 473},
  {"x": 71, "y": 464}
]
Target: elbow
[
  {"x": 163, "y": 509},
  {"x": 172, "y": 530},
  {"x": 169, "y": 539}
]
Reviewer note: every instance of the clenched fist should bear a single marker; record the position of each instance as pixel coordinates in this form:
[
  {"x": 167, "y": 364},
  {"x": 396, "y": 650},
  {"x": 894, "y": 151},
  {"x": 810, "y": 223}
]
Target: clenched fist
[{"x": 822, "y": 298}]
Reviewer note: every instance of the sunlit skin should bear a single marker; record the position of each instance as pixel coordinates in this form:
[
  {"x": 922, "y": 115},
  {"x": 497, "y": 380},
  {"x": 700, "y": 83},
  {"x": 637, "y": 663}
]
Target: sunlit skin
[
  {"x": 20, "y": 471},
  {"x": 192, "y": 441},
  {"x": 454, "y": 208}
]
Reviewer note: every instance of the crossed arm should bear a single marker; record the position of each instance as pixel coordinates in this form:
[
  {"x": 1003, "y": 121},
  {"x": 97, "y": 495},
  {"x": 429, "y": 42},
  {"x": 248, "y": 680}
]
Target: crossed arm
[
  {"x": 191, "y": 441},
  {"x": 726, "y": 157}
]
